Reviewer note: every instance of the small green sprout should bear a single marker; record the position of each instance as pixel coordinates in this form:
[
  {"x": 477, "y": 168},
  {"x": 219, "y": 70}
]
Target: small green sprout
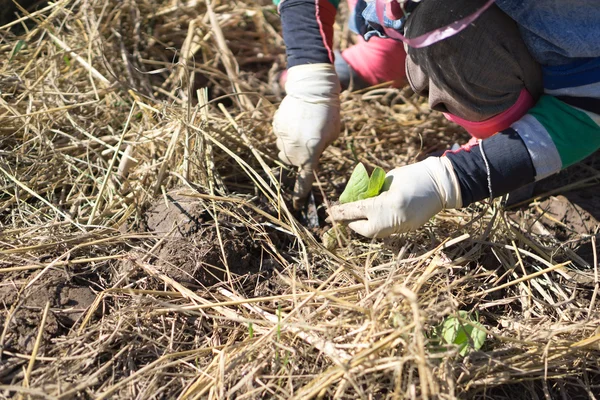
[
  {"x": 466, "y": 336},
  {"x": 359, "y": 187},
  {"x": 21, "y": 44}
]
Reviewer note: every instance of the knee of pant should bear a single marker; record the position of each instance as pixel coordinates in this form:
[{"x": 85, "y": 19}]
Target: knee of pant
[{"x": 378, "y": 60}]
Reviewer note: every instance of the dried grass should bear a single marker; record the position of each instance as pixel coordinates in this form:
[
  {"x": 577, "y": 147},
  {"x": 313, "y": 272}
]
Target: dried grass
[{"x": 103, "y": 112}]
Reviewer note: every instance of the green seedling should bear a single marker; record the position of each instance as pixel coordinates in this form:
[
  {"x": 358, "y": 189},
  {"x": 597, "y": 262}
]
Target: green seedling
[
  {"x": 360, "y": 186},
  {"x": 376, "y": 182},
  {"x": 466, "y": 336},
  {"x": 21, "y": 44}
]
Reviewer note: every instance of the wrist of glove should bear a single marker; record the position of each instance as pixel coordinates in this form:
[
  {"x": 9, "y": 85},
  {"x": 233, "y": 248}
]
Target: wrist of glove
[
  {"x": 411, "y": 196},
  {"x": 307, "y": 121}
]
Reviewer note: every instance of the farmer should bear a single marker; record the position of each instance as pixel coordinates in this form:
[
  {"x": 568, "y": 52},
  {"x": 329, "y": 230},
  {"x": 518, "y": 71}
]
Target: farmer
[{"x": 522, "y": 77}]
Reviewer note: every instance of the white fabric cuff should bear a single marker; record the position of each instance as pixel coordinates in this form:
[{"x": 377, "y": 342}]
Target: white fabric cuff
[
  {"x": 314, "y": 83},
  {"x": 446, "y": 181}
]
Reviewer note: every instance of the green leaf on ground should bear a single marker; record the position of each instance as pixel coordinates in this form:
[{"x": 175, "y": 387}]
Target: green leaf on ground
[
  {"x": 466, "y": 336},
  {"x": 20, "y": 45}
]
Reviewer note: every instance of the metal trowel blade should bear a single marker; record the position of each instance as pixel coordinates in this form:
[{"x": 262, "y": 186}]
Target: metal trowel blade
[{"x": 309, "y": 214}]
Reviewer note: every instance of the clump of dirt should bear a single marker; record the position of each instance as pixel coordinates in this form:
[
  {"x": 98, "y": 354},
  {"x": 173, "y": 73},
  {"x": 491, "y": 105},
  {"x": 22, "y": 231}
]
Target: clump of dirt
[
  {"x": 562, "y": 213},
  {"x": 200, "y": 259},
  {"x": 184, "y": 214},
  {"x": 192, "y": 253},
  {"x": 68, "y": 301},
  {"x": 573, "y": 217},
  {"x": 25, "y": 325}
]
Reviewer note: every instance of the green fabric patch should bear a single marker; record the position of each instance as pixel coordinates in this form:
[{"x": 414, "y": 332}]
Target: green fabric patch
[{"x": 573, "y": 132}]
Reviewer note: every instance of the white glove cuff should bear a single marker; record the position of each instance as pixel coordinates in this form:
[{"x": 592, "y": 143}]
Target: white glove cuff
[
  {"x": 446, "y": 181},
  {"x": 315, "y": 83}
]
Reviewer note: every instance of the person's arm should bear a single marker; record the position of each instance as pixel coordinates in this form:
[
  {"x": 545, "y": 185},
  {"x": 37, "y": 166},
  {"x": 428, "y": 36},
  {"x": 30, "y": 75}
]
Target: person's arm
[
  {"x": 552, "y": 136},
  {"x": 308, "y": 30},
  {"x": 557, "y": 132},
  {"x": 308, "y": 118}
]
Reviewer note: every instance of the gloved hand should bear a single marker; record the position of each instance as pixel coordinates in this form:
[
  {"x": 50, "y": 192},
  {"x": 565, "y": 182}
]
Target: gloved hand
[
  {"x": 411, "y": 196},
  {"x": 307, "y": 121}
]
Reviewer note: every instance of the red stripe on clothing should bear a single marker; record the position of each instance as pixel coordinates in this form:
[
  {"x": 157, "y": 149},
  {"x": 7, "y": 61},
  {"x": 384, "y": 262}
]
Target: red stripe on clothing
[
  {"x": 325, "y": 13},
  {"x": 486, "y": 128}
]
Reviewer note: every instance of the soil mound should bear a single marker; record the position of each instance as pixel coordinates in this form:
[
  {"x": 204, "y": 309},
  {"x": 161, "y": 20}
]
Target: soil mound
[
  {"x": 197, "y": 250},
  {"x": 68, "y": 301},
  {"x": 570, "y": 215}
]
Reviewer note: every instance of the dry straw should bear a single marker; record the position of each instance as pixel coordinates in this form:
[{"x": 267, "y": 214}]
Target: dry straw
[{"x": 104, "y": 112}]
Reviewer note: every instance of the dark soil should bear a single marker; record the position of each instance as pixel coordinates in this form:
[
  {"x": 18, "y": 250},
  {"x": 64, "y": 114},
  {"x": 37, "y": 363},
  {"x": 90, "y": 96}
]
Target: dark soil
[
  {"x": 182, "y": 213},
  {"x": 573, "y": 217},
  {"x": 68, "y": 301},
  {"x": 570, "y": 215},
  {"x": 578, "y": 209},
  {"x": 192, "y": 253},
  {"x": 8, "y": 11}
]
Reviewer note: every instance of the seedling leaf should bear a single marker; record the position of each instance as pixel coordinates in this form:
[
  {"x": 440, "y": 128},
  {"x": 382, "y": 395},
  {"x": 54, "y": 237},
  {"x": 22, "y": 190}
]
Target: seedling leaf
[
  {"x": 357, "y": 184},
  {"x": 359, "y": 187},
  {"x": 20, "y": 45},
  {"x": 376, "y": 182},
  {"x": 465, "y": 336}
]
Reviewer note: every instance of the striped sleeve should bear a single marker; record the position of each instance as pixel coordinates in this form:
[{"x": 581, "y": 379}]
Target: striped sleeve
[
  {"x": 558, "y": 135},
  {"x": 562, "y": 129},
  {"x": 499, "y": 164},
  {"x": 308, "y": 30}
]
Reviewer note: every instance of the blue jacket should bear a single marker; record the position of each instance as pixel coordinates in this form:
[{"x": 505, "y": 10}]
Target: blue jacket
[{"x": 557, "y": 32}]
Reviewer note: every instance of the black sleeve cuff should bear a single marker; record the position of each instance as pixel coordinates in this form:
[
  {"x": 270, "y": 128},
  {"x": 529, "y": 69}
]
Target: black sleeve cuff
[
  {"x": 303, "y": 34},
  {"x": 509, "y": 164}
]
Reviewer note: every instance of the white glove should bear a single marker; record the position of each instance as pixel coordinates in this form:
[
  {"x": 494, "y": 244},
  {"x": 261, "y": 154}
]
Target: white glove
[
  {"x": 411, "y": 196},
  {"x": 307, "y": 121}
]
